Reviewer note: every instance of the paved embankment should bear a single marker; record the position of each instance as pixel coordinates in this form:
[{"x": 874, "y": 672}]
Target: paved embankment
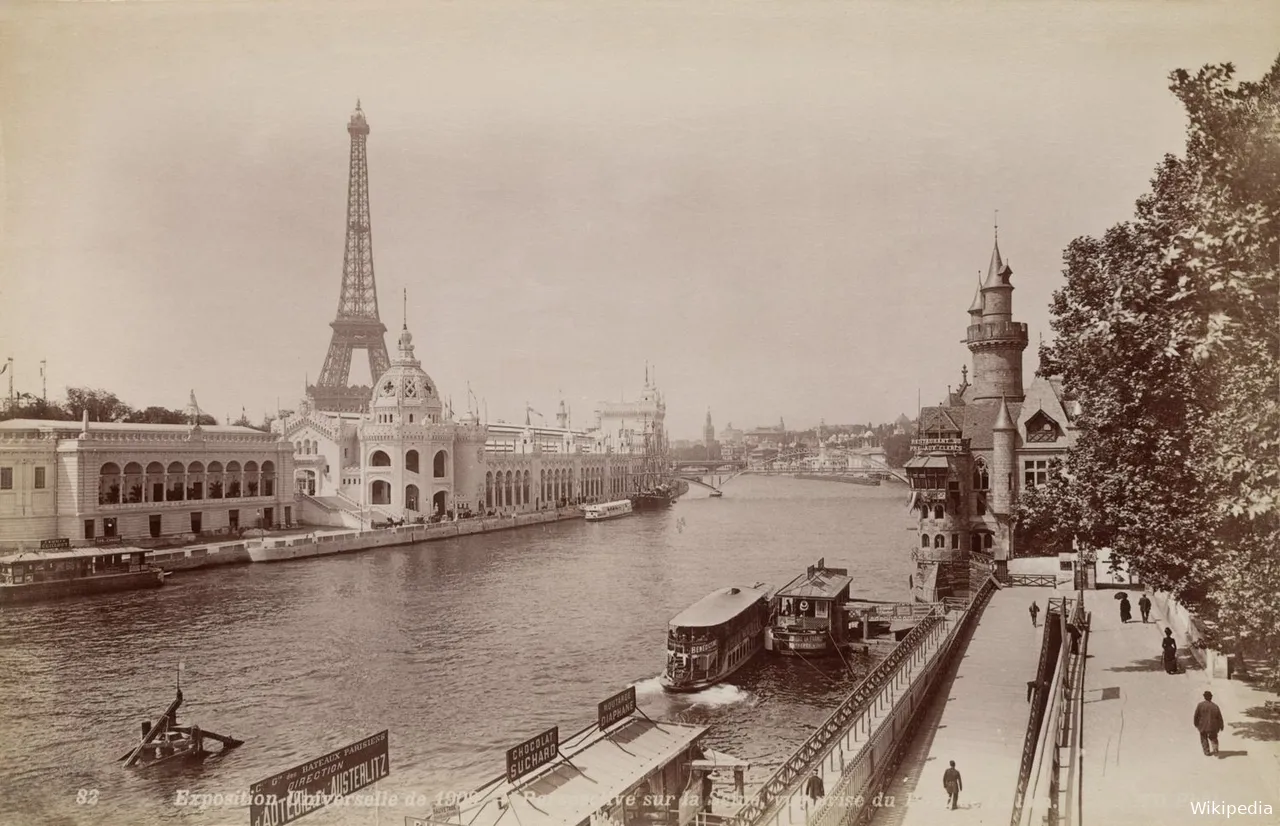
[
  {"x": 861, "y": 743},
  {"x": 978, "y": 718},
  {"x": 342, "y": 540},
  {"x": 1142, "y": 759}
]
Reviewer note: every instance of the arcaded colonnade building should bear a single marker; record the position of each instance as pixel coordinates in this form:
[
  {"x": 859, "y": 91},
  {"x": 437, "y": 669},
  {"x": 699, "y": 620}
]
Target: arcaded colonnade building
[
  {"x": 990, "y": 440},
  {"x": 90, "y": 482},
  {"x": 407, "y": 457}
]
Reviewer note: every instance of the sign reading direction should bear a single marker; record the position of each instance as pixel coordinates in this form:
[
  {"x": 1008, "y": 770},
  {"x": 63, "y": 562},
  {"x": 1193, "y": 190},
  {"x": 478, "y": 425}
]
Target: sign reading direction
[
  {"x": 287, "y": 796},
  {"x": 54, "y": 544},
  {"x": 618, "y": 707},
  {"x": 532, "y": 753},
  {"x": 108, "y": 540}
]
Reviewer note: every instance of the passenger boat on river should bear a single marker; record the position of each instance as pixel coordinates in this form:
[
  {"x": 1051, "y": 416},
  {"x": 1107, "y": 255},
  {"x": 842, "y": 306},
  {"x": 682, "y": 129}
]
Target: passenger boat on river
[
  {"x": 34, "y": 576},
  {"x": 607, "y": 510},
  {"x": 810, "y": 617},
  {"x": 714, "y": 637}
]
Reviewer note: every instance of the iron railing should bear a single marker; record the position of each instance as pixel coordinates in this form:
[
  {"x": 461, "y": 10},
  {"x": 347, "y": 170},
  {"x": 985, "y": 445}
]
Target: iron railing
[
  {"x": 817, "y": 746},
  {"x": 844, "y": 796},
  {"x": 1034, "y": 580},
  {"x": 1031, "y": 739}
]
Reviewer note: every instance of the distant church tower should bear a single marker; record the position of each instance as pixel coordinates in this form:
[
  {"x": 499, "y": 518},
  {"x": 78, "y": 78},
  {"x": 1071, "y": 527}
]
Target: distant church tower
[
  {"x": 994, "y": 338},
  {"x": 708, "y": 431}
]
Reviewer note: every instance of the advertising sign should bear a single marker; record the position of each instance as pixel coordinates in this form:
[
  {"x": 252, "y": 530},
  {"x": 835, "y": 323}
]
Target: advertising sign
[
  {"x": 54, "y": 544},
  {"x": 532, "y": 753},
  {"x": 287, "y": 796},
  {"x": 618, "y": 707}
]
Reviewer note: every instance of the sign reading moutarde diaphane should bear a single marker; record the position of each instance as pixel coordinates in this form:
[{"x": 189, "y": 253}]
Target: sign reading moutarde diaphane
[
  {"x": 287, "y": 796},
  {"x": 618, "y": 707}
]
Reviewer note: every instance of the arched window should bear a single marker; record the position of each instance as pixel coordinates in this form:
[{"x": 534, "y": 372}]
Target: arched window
[
  {"x": 411, "y": 462},
  {"x": 924, "y": 540},
  {"x": 955, "y": 541},
  {"x": 131, "y": 490},
  {"x": 195, "y": 480},
  {"x": 411, "y": 497},
  {"x": 234, "y": 483},
  {"x": 109, "y": 484},
  {"x": 986, "y": 541},
  {"x": 940, "y": 541},
  {"x": 176, "y": 475},
  {"x": 439, "y": 463},
  {"x": 251, "y": 478},
  {"x": 488, "y": 489},
  {"x": 938, "y": 512},
  {"x": 381, "y": 492},
  {"x": 380, "y": 459}
]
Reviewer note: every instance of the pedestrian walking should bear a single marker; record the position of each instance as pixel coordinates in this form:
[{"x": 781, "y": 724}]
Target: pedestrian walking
[
  {"x": 952, "y": 783},
  {"x": 813, "y": 787},
  {"x": 1035, "y": 612},
  {"x": 1126, "y": 611},
  {"x": 1208, "y": 721},
  {"x": 1170, "y": 647},
  {"x": 1144, "y": 605}
]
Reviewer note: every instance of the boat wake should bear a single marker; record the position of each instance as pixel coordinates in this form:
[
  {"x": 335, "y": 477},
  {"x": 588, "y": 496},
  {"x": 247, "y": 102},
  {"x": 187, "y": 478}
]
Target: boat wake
[{"x": 716, "y": 696}]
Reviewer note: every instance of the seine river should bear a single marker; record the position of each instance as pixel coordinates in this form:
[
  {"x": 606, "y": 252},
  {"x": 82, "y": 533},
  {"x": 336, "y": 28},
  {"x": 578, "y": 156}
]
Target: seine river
[{"x": 460, "y": 649}]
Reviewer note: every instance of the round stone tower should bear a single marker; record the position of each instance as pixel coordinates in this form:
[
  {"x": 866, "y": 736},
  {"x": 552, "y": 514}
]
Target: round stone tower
[
  {"x": 1004, "y": 443},
  {"x": 994, "y": 338}
]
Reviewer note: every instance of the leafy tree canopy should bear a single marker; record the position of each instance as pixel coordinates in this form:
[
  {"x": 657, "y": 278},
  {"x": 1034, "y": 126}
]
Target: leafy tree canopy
[
  {"x": 102, "y": 406},
  {"x": 1167, "y": 332}
]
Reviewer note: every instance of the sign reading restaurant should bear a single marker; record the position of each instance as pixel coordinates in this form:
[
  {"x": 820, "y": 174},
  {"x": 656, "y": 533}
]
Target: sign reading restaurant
[
  {"x": 618, "y": 707},
  {"x": 532, "y": 753},
  {"x": 287, "y": 796}
]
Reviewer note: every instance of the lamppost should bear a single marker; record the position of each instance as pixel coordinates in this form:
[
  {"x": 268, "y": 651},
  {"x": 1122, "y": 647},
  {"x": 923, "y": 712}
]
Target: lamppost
[{"x": 262, "y": 531}]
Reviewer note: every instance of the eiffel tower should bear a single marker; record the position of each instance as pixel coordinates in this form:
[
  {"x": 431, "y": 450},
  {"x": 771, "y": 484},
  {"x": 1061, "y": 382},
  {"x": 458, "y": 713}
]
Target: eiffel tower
[{"x": 357, "y": 325}]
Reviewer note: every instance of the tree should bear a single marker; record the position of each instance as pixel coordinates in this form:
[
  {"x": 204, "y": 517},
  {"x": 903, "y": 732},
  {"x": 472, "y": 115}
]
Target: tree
[
  {"x": 27, "y": 406},
  {"x": 1166, "y": 331},
  {"x": 897, "y": 449},
  {"x": 102, "y": 405}
]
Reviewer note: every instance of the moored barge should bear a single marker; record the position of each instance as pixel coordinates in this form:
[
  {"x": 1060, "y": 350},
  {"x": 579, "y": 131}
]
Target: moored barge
[
  {"x": 810, "y": 615},
  {"x": 714, "y": 637},
  {"x": 34, "y": 577}
]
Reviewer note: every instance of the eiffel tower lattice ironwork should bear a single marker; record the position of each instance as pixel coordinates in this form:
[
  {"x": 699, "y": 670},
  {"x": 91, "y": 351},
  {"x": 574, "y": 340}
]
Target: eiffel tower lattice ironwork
[{"x": 357, "y": 326}]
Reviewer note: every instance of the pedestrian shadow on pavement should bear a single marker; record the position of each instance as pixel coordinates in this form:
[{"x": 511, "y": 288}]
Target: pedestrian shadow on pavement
[
  {"x": 1231, "y": 754},
  {"x": 1156, "y": 663}
]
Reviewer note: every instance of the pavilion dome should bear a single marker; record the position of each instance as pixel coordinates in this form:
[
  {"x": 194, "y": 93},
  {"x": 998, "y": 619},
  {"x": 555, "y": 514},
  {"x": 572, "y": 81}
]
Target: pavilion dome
[{"x": 406, "y": 384}]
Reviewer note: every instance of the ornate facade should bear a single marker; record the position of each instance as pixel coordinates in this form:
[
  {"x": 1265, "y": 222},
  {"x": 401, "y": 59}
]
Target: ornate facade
[
  {"x": 408, "y": 458},
  {"x": 89, "y": 482},
  {"x": 988, "y": 441}
]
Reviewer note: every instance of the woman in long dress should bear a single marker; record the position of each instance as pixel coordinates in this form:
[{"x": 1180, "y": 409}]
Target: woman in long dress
[
  {"x": 1170, "y": 647},
  {"x": 1126, "y": 611}
]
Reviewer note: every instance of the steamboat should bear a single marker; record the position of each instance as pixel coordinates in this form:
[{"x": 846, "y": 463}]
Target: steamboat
[
  {"x": 608, "y": 510},
  {"x": 165, "y": 741},
  {"x": 717, "y": 635}
]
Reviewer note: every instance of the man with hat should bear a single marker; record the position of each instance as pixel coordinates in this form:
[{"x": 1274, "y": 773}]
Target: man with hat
[{"x": 1208, "y": 721}]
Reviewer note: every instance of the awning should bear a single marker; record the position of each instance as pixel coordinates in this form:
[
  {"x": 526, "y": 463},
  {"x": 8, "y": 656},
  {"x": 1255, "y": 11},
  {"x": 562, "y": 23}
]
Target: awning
[
  {"x": 719, "y": 760},
  {"x": 603, "y": 768},
  {"x": 927, "y": 462}
]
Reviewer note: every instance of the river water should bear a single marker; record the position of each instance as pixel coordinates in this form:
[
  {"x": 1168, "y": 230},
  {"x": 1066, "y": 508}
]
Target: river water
[{"x": 460, "y": 648}]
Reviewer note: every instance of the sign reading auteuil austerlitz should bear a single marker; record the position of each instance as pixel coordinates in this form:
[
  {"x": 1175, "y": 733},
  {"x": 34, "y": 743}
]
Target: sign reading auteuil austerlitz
[
  {"x": 289, "y": 795},
  {"x": 618, "y": 707},
  {"x": 532, "y": 753}
]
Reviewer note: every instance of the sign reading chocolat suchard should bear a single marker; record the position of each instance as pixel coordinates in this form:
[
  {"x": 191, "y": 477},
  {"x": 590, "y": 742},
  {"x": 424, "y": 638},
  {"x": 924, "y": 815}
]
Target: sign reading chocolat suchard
[{"x": 532, "y": 753}]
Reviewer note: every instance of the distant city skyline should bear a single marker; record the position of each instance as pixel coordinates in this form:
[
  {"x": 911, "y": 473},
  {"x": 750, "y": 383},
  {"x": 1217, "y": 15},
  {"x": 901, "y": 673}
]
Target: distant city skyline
[{"x": 781, "y": 208}]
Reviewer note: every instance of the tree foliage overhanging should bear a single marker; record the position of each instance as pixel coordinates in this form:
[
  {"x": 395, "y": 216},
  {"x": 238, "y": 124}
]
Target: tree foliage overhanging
[{"x": 1167, "y": 332}]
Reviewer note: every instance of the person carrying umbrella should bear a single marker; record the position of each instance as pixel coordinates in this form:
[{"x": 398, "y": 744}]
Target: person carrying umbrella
[{"x": 1126, "y": 611}]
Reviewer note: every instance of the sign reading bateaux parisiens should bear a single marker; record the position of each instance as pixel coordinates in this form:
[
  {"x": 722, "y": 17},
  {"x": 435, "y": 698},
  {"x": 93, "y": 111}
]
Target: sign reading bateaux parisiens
[
  {"x": 618, "y": 707},
  {"x": 287, "y": 796},
  {"x": 532, "y": 753}
]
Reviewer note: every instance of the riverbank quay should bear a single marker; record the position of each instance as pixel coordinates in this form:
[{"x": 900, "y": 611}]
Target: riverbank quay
[
  {"x": 1142, "y": 757},
  {"x": 327, "y": 541},
  {"x": 851, "y": 752},
  {"x": 978, "y": 718}
]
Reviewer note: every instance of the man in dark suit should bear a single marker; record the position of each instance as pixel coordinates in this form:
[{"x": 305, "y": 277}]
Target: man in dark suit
[
  {"x": 951, "y": 782},
  {"x": 1208, "y": 721}
]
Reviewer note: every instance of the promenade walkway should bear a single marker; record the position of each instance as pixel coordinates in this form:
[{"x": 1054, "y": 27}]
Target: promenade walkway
[
  {"x": 1142, "y": 760},
  {"x": 978, "y": 719},
  {"x": 792, "y": 807}
]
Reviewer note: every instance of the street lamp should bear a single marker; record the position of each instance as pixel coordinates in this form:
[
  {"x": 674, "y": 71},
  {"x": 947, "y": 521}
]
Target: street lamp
[{"x": 262, "y": 531}]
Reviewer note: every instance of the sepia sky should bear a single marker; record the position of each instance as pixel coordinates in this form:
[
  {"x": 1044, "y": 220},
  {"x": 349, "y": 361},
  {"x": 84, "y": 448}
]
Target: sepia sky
[{"x": 783, "y": 206}]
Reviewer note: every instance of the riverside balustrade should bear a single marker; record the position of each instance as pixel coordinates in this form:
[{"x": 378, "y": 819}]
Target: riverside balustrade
[
  {"x": 860, "y": 777},
  {"x": 869, "y": 691}
]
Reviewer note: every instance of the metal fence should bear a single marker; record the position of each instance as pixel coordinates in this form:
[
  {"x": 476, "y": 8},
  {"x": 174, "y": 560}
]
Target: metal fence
[
  {"x": 1034, "y": 580},
  {"x": 820, "y": 742},
  {"x": 858, "y": 780}
]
